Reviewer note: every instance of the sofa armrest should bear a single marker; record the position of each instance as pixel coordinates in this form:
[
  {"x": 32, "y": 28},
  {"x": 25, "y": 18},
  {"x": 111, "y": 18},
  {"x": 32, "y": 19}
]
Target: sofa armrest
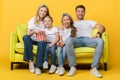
[
  {"x": 106, "y": 46},
  {"x": 13, "y": 41}
]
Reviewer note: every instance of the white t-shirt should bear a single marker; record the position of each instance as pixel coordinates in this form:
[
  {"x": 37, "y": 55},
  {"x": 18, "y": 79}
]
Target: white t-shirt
[
  {"x": 32, "y": 26},
  {"x": 84, "y": 27},
  {"x": 51, "y": 34},
  {"x": 65, "y": 34}
]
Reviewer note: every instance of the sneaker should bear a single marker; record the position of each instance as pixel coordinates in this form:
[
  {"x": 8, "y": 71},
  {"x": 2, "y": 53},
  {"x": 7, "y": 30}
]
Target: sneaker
[
  {"x": 95, "y": 72},
  {"x": 31, "y": 67},
  {"x": 61, "y": 71},
  {"x": 52, "y": 69},
  {"x": 37, "y": 71},
  {"x": 72, "y": 71},
  {"x": 57, "y": 71},
  {"x": 45, "y": 65}
]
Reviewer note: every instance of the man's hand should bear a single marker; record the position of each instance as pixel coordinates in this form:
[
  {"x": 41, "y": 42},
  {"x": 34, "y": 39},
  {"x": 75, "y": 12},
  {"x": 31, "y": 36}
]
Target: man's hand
[{"x": 97, "y": 36}]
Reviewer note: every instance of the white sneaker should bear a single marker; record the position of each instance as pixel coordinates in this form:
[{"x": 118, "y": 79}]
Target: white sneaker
[
  {"x": 72, "y": 71},
  {"x": 52, "y": 69},
  {"x": 57, "y": 71},
  {"x": 61, "y": 71},
  {"x": 37, "y": 71},
  {"x": 95, "y": 72},
  {"x": 45, "y": 65},
  {"x": 31, "y": 67}
]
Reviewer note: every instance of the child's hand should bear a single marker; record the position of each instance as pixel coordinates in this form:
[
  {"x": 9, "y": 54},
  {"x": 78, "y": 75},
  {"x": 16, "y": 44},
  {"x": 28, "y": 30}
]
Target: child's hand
[
  {"x": 51, "y": 44},
  {"x": 61, "y": 27},
  {"x": 60, "y": 44}
]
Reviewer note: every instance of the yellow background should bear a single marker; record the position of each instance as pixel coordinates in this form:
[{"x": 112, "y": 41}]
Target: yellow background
[{"x": 105, "y": 12}]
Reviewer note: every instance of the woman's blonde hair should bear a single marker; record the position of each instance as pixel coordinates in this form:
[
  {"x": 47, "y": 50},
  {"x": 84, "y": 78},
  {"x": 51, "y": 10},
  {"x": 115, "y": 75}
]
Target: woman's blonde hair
[
  {"x": 37, "y": 18},
  {"x": 73, "y": 29}
]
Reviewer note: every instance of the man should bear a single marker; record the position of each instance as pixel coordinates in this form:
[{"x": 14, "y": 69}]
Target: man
[{"x": 84, "y": 39}]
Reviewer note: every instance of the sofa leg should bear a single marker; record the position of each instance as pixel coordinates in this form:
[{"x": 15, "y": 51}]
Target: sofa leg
[
  {"x": 105, "y": 66},
  {"x": 12, "y": 65}
]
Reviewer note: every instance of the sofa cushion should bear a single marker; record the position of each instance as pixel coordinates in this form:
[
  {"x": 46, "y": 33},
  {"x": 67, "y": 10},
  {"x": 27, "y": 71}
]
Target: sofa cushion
[
  {"x": 21, "y": 31},
  {"x": 19, "y": 48},
  {"x": 84, "y": 50}
]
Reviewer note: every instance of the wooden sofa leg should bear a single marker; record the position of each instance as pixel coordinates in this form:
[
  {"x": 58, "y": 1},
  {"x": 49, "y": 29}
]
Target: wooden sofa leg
[
  {"x": 105, "y": 66},
  {"x": 12, "y": 65}
]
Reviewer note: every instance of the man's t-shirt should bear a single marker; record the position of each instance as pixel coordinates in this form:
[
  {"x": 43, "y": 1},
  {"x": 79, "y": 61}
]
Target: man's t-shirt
[{"x": 84, "y": 27}]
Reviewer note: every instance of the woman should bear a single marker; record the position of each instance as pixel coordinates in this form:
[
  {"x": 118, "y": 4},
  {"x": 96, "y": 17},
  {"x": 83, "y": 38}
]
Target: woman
[
  {"x": 66, "y": 30},
  {"x": 35, "y": 27}
]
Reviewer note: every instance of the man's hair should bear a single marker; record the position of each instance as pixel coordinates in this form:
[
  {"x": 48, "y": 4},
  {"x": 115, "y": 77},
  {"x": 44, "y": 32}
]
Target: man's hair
[{"x": 80, "y": 6}]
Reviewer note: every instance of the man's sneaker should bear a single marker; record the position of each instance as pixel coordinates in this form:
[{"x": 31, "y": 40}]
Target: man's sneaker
[
  {"x": 31, "y": 67},
  {"x": 72, "y": 71},
  {"x": 57, "y": 71},
  {"x": 37, "y": 71},
  {"x": 61, "y": 70},
  {"x": 45, "y": 65},
  {"x": 95, "y": 72},
  {"x": 52, "y": 69}
]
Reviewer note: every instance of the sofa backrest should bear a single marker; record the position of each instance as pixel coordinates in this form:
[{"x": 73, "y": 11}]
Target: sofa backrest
[
  {"x": 22, "y": 28},
  {"x": 94, "y": 31},
  {"x": 21, "y": 31}
]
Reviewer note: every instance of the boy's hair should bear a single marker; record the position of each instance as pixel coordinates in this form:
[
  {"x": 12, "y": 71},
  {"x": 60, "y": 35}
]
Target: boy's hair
[{"x": 48, "y": 17}]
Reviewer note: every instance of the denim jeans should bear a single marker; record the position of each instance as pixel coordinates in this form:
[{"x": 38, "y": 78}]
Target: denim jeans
[
  {"x": 72, "y": 43},
  {"x": 28, "y": 47},
  {"x": 61, "y": 55},
  {"x": 52, "y": 52}
]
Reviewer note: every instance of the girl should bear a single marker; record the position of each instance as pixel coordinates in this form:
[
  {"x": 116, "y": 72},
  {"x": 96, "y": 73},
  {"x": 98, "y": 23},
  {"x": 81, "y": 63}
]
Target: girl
[
  {"x": 52, "y": 38},
  {"x": 35, "y": 27},
  {"x": 67, "y": 30}
]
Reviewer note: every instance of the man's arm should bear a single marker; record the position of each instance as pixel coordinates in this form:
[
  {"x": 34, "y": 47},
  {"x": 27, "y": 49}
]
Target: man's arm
[{"x": 100, "y": 28}]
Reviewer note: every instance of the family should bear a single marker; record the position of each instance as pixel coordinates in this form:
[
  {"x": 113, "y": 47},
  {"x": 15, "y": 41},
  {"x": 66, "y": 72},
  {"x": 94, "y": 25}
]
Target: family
[{"x": 64, "y": 38}]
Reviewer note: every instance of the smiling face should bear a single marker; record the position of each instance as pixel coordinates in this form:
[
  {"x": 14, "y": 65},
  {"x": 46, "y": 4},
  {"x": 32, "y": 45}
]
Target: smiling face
[
  {"x": 48, "y": 21},
  {"x": 42, "y": 12},
  {"x": 80, "y": 13},
  {"x": 66, "y": 21}
]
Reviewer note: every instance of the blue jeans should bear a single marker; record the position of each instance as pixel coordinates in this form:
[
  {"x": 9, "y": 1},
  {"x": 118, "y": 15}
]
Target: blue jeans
[
  {"x": 28, "y": 47},
  {"x": 72, "y": 43},
  {"x": 52, "y": 52},
  {"x": 61, "y": 55}
]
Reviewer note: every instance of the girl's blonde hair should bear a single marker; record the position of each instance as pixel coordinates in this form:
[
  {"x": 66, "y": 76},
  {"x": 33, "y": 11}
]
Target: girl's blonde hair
[
  {"x": 37, "y": 18},
  {"x": 73, "y": 29}
]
